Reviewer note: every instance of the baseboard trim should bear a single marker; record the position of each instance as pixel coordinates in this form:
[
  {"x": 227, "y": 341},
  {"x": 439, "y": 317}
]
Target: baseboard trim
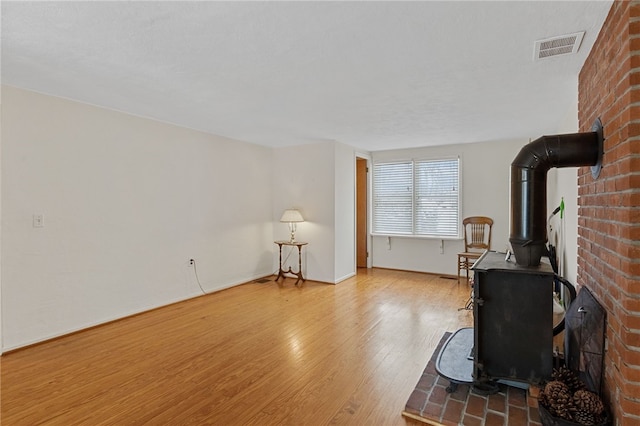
[
  {"x": 6, "y": 351},
  {"x": 441, "y": 275},
  {"x": 346, "y": 277}
]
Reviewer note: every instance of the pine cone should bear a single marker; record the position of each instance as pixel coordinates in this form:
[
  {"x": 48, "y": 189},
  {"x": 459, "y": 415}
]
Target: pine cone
[
  {"x": 555, "y": 388},
  {"x": 564, "y": 411},
  {"x": 542, "y": 399},
  {"x": 590, "y": 402},
  {"x": 568, "y": 377},
  {"x": 557, "y": 398},
  {"x": 584, "y": 418}
]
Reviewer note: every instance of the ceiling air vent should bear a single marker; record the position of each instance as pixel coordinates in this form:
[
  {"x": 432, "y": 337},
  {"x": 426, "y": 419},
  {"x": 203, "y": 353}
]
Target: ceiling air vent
[{"x": 560, "y": 45}]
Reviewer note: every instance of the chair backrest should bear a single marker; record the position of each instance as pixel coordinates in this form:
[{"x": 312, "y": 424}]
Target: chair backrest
[{"x": 477, "y": 233}]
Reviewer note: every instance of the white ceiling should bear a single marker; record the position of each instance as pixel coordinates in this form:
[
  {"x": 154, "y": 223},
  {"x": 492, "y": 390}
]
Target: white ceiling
[{"x": 374, "y": 75}]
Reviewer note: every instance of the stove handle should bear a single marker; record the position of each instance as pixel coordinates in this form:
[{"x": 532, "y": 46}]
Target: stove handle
[{"x": 572, "y": 292}]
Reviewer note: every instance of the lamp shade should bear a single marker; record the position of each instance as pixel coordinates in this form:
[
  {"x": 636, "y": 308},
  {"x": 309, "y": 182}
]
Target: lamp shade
[{"x": 291, "y": 216}]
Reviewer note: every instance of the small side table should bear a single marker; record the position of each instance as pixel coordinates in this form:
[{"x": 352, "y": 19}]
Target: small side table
[{"x": 282, "y": 272}]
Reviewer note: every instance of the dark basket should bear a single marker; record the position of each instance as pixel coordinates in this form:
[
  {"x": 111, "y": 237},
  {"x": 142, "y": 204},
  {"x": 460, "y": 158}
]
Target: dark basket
[{"x": 549, "y": 420}]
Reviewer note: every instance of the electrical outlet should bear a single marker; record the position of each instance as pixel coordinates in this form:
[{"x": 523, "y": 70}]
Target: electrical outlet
[
  {"x": 38, "y": 220},
  {"x": 191, "y": 262}
]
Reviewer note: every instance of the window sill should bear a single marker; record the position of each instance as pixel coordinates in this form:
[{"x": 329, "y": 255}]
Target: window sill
[{"x": 419, "y": 237}]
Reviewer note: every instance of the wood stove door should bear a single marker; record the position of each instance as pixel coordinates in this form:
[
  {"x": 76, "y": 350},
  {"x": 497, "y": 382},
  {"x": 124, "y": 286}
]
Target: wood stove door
[{"x": 513, "y": 318}]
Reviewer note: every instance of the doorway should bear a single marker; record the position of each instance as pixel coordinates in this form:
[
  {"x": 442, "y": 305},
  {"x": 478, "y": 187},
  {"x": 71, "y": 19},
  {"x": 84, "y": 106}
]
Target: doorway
[{"x": 362, "y": 249}]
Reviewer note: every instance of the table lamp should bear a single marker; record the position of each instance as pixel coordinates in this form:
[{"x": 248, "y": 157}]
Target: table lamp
[{"x": 292, "y": 217}]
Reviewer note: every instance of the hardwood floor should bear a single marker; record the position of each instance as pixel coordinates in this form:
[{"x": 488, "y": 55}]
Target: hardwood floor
[{"x": 256, "y": 354}]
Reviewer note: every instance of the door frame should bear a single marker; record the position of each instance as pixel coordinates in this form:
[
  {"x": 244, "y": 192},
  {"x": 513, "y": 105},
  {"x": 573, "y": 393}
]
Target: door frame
[{"x": 367, "y": 213}]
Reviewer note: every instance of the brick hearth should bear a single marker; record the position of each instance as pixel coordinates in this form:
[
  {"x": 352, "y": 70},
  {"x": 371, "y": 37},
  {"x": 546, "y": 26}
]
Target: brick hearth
[{"x": 430, "y": 402}]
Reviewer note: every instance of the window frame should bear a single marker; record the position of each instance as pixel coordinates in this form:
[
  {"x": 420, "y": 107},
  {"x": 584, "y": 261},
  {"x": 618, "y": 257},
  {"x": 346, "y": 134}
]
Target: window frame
[{"x": 414, "y": 207}]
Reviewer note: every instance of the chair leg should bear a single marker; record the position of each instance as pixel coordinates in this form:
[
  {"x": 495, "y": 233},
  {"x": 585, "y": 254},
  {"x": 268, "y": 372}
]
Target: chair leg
[{"x": 458, "y": 269}]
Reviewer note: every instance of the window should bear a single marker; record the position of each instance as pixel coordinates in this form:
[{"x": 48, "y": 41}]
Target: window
[{"x": 419, "y": 198}]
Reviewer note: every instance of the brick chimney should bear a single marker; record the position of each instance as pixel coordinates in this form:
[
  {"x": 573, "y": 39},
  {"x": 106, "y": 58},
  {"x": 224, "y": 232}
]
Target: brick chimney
[{"x": 609, "y": 207}]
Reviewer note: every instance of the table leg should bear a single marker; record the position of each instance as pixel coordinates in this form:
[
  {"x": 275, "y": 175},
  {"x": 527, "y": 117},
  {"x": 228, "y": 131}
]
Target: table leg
[
  {"x": 280, "y": 271},
  {"x": 299, "y": 274}
]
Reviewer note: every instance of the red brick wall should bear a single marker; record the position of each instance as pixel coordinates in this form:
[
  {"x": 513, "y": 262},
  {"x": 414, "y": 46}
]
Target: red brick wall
[{"x": 609, "y": 206}]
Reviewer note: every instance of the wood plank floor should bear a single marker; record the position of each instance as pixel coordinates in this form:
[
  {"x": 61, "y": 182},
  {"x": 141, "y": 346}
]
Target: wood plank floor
[{"x": 256, "y": 354}]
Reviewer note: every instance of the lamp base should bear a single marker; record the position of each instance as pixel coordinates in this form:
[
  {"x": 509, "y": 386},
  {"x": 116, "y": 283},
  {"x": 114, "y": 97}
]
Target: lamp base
[{"x": 292, "y": 228}]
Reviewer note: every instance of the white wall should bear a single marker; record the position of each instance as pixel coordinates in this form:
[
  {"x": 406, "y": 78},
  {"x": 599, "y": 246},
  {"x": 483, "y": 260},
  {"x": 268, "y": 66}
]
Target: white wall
[
  {"x": 319, "y": 180},
  {"x": 305, "y": 180},
  {"x": 345, "y": 212},
  {"x": 485, "y": 169},
  {"x": 126, "y": 202},
  {"x": 567, "y": 187},
  {"x": 563, "y": 233}
]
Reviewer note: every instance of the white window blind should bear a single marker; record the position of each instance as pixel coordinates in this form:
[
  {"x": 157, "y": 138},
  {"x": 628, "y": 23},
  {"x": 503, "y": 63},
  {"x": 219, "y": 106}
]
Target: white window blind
[
  {"x": 393, "y": 198},
  {"x": 417, "y": 198},
  {"x": 436, "y": 198}
]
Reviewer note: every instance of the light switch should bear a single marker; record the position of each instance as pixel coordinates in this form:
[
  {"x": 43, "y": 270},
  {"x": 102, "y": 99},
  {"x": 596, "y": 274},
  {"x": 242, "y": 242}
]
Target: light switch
[{"x": 38, "y": 221}]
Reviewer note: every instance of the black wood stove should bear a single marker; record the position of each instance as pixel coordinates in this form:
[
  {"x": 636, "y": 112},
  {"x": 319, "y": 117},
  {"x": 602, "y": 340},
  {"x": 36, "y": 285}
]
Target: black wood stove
[{"x": 513, "y": 320}]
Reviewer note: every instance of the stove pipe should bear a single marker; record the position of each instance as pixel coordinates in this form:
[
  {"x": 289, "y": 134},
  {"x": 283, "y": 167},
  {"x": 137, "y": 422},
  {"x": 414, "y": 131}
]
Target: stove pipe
[{"x": 528, "y": 235}]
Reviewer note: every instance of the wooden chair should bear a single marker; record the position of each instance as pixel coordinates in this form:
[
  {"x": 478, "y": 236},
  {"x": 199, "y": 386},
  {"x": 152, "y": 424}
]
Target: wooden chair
[{"x": 477, "y": 239}]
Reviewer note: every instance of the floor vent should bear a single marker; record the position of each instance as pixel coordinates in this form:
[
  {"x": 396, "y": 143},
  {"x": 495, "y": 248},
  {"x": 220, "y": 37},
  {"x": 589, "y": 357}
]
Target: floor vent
[{"x": 560, "y": 45}]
